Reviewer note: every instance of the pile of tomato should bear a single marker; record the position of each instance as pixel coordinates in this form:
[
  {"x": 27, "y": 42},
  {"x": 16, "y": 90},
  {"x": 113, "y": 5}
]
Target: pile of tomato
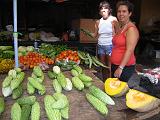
[
  {"x": 33, "y": 59},
  {"x": 68, "y": 54}
]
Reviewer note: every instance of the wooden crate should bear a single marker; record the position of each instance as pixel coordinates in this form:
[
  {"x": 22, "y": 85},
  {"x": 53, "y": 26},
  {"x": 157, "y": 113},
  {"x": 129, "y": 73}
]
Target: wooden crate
[{"x": 88, "y": 24}]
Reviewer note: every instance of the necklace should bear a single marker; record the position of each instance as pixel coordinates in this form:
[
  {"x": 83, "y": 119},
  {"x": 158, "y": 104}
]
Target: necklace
[{"x": 122, "y": 27}]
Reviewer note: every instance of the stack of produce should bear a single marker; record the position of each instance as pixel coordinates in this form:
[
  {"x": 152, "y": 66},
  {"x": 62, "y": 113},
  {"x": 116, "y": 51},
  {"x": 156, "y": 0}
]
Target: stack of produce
[
  {"x": 68, "y": 55},
  {"x": 6, "y": 58},
  {"x": 90, "y": 60},
  {"x": 6, "y": 65},
  {"x": 59, "y": 80},
  {"x": 25, "y": 108},
  {"x": 22, "y": 50},
  {"x": 12, "y": 84},
  {"x": 36, "y": 82},
  {"x": 65, "y": 65},
  {"x": 51, "y": 50},
  {"x": 80, "y": 79},
  {"x": 6, "y": 52},
  {"x": 56, "y": 106},
  {"x": 52, "y": 114},
  {"x": 99, "y": 99},
  {"x": 33, "y": 59}
]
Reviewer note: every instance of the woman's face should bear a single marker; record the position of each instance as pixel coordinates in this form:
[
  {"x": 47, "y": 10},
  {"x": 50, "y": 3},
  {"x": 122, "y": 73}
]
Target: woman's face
[
  {"x": 123, "y": 14},
  {"x": 104, "y": 12}
]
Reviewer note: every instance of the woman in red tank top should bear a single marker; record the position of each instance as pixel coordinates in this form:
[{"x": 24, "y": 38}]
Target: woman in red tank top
[{"x": 124, "y": 42}]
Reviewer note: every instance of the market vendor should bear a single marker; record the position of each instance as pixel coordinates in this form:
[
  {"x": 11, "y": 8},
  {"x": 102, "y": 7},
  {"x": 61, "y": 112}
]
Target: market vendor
[{"x": 124, "y": 43}]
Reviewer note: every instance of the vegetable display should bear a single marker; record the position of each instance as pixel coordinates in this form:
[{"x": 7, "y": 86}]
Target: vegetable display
[
  {"x": 90, "y": 60},
  {"x": 6, "y": 65},
  {"x": 12, "y": 84},
  {"x": 33, "y": 59},
  {"x": 68, "y": 55},
  {"x": 57, "y": 105}
]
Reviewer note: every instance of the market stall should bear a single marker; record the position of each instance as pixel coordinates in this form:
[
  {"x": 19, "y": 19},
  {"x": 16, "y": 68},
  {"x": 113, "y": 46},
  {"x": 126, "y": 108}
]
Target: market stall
[{"x": 79, "y": 107}]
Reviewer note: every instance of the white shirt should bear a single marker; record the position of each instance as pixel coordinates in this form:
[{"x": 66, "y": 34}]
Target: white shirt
[{"x": 105, "y": 31}]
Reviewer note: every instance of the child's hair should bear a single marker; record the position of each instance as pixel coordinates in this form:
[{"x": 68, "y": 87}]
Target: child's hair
[{"x": 105, "y": 4}]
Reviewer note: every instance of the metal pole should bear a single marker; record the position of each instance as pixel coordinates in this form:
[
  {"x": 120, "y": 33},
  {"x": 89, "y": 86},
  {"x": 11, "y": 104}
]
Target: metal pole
[{"x": 15, "y": 34}]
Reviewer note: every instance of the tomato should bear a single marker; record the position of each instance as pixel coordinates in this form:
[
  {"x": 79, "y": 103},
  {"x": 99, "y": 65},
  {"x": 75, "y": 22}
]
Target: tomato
[{"x": 31, "y": 66}]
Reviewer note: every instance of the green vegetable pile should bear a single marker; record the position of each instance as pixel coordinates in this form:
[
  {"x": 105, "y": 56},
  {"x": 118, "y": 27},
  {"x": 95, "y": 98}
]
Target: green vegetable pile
[{"x": 51, "y": 50}]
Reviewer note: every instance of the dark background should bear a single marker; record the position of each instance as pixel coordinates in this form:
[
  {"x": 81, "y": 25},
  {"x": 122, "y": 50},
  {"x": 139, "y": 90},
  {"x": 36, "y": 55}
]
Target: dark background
[{"x": 52, "y": 16}]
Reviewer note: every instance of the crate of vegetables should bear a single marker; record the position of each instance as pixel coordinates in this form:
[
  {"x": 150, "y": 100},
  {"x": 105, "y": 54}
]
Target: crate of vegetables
[
  {"x": 33, "y": 59},
  {"x": 66, "y": 59}
]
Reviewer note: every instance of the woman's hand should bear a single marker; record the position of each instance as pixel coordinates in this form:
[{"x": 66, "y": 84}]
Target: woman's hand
[{"x": 118, "y": 73}]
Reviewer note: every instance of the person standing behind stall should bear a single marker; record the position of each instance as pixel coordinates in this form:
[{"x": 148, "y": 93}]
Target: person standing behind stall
[
  {"x": 104, "y": 29},
  {"x": 124, "y": 42}
]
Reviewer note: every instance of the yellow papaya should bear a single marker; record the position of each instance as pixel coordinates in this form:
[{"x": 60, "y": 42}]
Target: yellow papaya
[{"x": 115, "y": 87}]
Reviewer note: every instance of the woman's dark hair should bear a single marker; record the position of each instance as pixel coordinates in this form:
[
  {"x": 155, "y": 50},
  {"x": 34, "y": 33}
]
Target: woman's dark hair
[
  {"x": 106, "y": 5},
  {"x": 126, "y": 3}
]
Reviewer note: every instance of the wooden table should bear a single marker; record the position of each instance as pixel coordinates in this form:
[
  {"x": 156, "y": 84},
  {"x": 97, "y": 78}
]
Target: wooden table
[{"x": 80, "y": 109}]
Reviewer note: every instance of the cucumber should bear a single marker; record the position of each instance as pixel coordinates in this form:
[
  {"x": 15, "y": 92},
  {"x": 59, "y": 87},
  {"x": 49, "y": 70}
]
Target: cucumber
[
  {"x": 17, "y": 92},
  {"x": 85, "y": 78},
  {"x": 2, "y": 105},
  {"x": 78, "y": 69},
  {"x": 98, "y": 93},
  {"x": 77, "y": 83},
  {"x": 62, "y": 80},
  {"x": 87, "y": 84},
  {"x": 30, "y": 100},
  {"x": 65, "y": 112},
  {"x": 74, "y": 72},
  {"x": 26, "y": 110},
  {"x": 52, "y": 114},
  {"x": 61, "y": 101},
  {"x": 52, "y": 75},
  {"x": 97, "y": 104},
  {"x": 57, "y": 86},
  {"x": 7, "y": 81},
  {"x": 16, "y": 112}
]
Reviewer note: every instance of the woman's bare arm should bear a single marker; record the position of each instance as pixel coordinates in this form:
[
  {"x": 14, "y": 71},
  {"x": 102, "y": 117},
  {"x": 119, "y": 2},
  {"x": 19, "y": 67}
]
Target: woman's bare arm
[
  {"x": 95, "y": 33},
  {"x": 132, "y": 37}
]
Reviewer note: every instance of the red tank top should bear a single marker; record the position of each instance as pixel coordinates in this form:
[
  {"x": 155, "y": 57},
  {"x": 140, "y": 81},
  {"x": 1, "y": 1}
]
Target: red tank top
[{"x": 119, "y": 47}]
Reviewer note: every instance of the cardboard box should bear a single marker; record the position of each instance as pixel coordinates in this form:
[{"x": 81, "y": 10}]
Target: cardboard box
[{"x": 88, "y": 24}]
